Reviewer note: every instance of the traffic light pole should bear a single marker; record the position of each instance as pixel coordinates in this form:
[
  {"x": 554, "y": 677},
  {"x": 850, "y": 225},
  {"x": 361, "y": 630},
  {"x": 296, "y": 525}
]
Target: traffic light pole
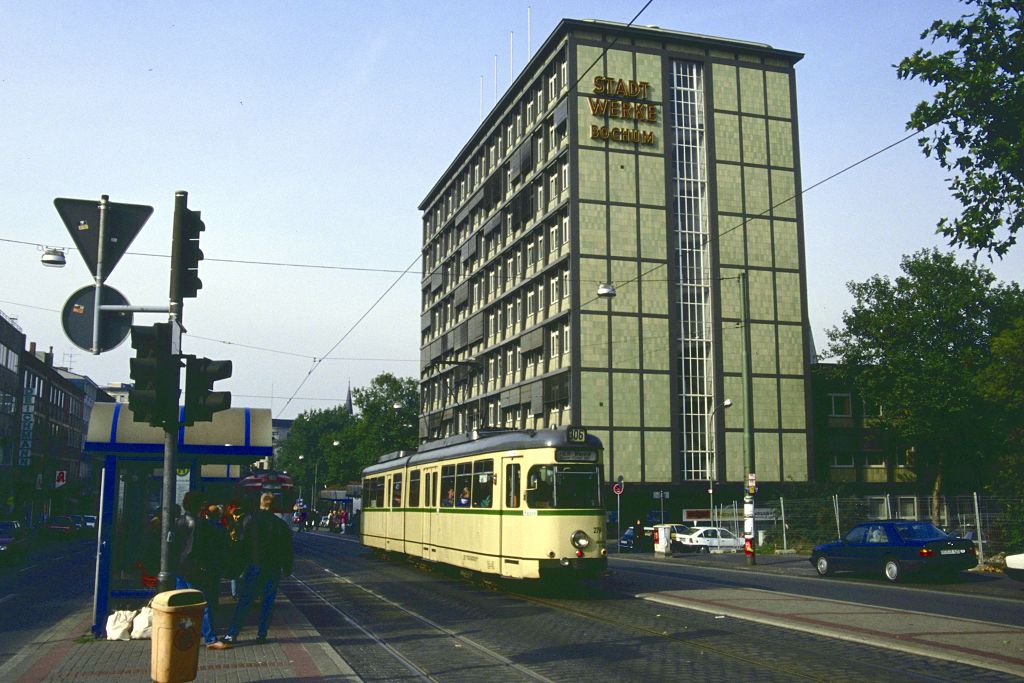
[{"x": 165, "y": 579}]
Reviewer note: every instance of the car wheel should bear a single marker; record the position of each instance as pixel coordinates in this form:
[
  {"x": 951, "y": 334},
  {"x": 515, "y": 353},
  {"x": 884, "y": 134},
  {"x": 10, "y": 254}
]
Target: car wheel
[
  {"x": 892, "y": 570},
  {"x": 703, "y": 549},
  {"x": 822, "y": 566}
]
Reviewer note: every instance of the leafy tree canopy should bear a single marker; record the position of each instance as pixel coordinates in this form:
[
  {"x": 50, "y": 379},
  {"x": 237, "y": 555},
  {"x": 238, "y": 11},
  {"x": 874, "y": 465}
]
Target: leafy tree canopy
[
  {"x": 335, "y": 446},
  {"x": 978, "y": 117},
  {"x": 918, "y": 346}
]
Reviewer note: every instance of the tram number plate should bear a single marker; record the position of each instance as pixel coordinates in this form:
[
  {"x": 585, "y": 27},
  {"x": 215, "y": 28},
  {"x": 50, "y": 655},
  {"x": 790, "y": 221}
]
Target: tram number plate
[{"x": 576, "y": 434}]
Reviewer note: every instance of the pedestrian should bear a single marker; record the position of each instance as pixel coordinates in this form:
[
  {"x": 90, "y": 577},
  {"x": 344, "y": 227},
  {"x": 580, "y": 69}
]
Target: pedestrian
[
  {"x": 199, "y": 561},
  {"x": 233, "y": 521},
  {"x": 344, "y": 519},
  {"x": 267, "y": 548}
]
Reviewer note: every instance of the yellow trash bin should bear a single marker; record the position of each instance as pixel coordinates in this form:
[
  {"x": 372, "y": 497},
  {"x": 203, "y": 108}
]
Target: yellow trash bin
[{"x": 177, "y": 633}]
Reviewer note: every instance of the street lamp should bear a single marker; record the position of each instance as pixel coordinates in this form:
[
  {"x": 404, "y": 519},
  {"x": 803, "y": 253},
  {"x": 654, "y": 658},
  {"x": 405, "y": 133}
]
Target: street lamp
[
  {"x": 713, "y": 467},
  {"x": 606, "y": 290},
  {"x": 312, "y": 489}
]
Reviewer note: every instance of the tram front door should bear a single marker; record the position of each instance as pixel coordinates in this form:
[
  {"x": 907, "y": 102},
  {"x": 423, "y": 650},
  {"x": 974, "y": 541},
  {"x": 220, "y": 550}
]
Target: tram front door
[{"x": 511, "y": 549}]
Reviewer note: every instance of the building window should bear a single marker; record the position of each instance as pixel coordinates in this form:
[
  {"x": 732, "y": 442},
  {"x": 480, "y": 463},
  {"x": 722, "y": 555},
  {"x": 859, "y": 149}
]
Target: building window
[
  {"x": 842, "y": 460},
  {"x": 874, "y": 459},
  {"x": 906, "y": 507},
  {"x": 877, "y": 508},
  {"x": 840, "y": 405}
]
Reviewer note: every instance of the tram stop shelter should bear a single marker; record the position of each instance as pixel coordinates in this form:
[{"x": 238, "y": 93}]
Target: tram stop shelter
[{"x": 211, "y": 458}]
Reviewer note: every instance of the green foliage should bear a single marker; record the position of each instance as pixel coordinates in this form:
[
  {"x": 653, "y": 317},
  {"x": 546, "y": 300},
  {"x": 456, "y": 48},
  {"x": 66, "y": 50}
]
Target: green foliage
[
  {"x": 918, "y": 345},
  {"x": 978, "y": 117},
  {"x": 336, "y": 446}
]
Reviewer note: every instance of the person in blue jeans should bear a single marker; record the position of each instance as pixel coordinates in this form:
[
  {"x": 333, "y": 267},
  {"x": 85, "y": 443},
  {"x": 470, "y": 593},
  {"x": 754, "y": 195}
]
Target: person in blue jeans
[
  {"x": 200, "y": 552},
  {"x": 267, "y": 549}
]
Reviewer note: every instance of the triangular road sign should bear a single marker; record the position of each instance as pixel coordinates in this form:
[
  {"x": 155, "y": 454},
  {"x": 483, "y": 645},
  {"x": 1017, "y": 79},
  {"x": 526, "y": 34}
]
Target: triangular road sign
[{"x": 123, "y": 223}]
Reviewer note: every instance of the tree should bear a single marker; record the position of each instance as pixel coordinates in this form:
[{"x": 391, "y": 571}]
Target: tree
[
  {"x": 916, "y": 346},
  {"x": 336, "y": 446},
  {"x": 978, "y": 119}
]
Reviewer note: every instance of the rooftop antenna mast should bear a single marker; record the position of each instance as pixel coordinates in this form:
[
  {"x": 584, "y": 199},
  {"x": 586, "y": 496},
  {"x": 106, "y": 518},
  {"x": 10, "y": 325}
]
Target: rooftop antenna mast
[{"x": 529, "y": 33}]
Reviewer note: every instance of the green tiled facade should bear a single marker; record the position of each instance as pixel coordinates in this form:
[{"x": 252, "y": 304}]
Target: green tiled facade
[{"x": 565, "y": 187}]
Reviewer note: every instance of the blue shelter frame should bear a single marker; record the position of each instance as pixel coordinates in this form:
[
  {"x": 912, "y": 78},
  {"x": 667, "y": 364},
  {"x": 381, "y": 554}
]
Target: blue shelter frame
[{"x": 132, "y": 454}]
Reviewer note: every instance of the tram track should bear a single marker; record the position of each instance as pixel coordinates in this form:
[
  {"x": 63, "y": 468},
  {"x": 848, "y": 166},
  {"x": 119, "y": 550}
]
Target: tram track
[
  {"x": 330, "y": 589},
  {"x": 661, "y": 641}
]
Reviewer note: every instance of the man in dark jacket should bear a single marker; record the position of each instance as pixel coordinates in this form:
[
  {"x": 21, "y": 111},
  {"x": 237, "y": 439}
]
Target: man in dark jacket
[
  {"x": 199, "y": 554},
  {"x": 267, "y": 548}
]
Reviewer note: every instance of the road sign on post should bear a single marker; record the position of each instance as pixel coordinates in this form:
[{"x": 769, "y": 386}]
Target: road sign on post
[
  {"x": 77, "y": 319},
  {"x": 121, "y": 224}
]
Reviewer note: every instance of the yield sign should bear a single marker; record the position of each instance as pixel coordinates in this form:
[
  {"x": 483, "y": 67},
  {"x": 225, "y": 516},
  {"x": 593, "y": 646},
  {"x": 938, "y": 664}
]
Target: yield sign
[{"x": 123, "y": 223}]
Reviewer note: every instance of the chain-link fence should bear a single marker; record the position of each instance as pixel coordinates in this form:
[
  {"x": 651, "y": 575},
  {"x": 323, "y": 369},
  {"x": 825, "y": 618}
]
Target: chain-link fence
[{"x": 997, "y": 524}]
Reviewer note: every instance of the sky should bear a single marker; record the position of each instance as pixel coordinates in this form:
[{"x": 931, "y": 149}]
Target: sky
[{"x": 308, "y": 133}]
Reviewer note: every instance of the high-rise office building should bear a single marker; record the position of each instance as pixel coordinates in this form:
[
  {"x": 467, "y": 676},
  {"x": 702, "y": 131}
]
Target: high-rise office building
[{"x": 584, "y": 257}]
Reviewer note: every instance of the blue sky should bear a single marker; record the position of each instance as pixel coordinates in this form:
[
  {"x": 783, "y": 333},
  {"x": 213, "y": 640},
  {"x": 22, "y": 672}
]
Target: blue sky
[{"x": 309, "y": 132}]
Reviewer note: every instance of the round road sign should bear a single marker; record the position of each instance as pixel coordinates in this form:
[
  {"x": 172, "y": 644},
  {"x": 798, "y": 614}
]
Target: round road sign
[
  {"x": 617, "y": 488},
  {"x": 76, "y": 318}
]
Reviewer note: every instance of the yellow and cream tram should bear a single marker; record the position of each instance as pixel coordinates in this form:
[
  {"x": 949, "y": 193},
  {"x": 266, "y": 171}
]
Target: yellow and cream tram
[{"x": 514, "y": 503}]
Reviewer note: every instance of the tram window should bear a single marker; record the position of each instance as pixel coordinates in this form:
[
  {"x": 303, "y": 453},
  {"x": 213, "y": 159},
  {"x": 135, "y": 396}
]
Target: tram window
[
  {"x": 396, "y": 491},
  {"x": 375, "y": 492},
  {"x": 483, "y": 483},
  {"x": 448, "y": 486},
  {"x": 511, "y": 486},
  {"x": 564, "y": 486},
  {"x": 414, "y": 489},
  {"x": 431, "y": 489},
  {"x": 463, "y": 483}
]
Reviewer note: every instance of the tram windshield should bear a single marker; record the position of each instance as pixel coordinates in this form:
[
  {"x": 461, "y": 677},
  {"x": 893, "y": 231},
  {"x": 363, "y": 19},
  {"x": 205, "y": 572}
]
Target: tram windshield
[{"x": 564, "y": 486}]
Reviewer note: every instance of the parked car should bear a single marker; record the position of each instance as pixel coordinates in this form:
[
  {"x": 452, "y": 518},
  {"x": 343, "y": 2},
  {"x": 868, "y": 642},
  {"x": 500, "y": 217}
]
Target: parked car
[
  {"x": 13, "y": 541},
  {"x": 708, "y": 539},
  {"x": 628, "y": 542},
  {"x": 79, "y": 521},
  {"x": 676, "y": 533},
  {"x": 895, "y": 547},
  {"x": 60, "y": 525},
  {"x": 1015, "y": 567}
]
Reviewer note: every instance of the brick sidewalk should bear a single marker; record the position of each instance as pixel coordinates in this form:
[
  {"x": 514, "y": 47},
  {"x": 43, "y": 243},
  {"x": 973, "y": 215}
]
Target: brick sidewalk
[{"x": 295, "y": 651}]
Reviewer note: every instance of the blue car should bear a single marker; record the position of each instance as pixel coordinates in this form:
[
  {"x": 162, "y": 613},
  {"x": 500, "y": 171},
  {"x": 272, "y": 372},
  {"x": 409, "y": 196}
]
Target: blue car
[{"x": 895, "y": 547}]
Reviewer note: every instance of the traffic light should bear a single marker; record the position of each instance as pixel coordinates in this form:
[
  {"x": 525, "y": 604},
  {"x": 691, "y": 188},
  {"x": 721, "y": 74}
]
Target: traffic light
[
  {"x": 185, "y": 253},
  {"x": 154, "y": 371},
  {"x": 201, "y": 402}
]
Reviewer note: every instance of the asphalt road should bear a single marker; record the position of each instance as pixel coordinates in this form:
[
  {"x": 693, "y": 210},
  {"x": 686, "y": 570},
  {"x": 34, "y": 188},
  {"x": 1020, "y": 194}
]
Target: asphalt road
[
  {"x": 34, "y": 595},
  {"x": 392, "y": 620}
]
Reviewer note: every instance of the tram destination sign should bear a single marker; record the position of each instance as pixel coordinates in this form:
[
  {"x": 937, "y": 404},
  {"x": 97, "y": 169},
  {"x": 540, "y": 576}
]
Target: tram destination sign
[{"x": 574, "y": 455}]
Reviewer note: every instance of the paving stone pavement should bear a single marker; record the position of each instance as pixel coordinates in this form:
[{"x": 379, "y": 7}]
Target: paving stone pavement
[{"x": 295, "y": 651}]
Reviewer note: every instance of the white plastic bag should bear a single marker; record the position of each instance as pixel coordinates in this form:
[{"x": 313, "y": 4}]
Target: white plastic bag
[
  {"x": 119, "y": 624},
  {"x": 142, "y": 624}
]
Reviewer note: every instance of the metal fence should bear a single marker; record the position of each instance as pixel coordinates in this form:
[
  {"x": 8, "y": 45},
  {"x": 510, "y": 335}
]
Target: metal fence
[{"x": 996, "y": 524}]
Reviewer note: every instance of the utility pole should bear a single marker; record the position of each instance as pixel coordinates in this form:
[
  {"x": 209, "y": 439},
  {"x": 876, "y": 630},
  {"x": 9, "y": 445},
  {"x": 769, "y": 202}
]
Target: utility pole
[{"x": 750, "y": 485}]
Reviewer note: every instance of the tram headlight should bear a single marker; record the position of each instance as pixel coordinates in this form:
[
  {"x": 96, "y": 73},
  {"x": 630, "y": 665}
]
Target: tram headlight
[{"x": 580, "y": 539}]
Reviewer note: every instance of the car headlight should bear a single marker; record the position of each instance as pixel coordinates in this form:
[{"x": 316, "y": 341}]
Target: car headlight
[{"x": 580, "y": 539}]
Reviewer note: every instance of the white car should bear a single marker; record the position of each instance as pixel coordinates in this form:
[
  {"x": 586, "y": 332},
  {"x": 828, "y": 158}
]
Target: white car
[
  {"x": 709, "y": 539},
  {"x": 1015, "y": 567}
]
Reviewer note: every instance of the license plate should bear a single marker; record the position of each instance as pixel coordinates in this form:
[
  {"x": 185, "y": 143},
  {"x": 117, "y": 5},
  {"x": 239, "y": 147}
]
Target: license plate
[{"x": 953, "y": 551}]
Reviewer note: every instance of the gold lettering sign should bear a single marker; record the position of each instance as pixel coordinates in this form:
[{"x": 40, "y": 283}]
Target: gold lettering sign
[{"x": 643, "y": 112}]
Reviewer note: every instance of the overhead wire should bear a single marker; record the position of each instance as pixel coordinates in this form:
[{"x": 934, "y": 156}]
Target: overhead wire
[{"x": 316, "y": 363}]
